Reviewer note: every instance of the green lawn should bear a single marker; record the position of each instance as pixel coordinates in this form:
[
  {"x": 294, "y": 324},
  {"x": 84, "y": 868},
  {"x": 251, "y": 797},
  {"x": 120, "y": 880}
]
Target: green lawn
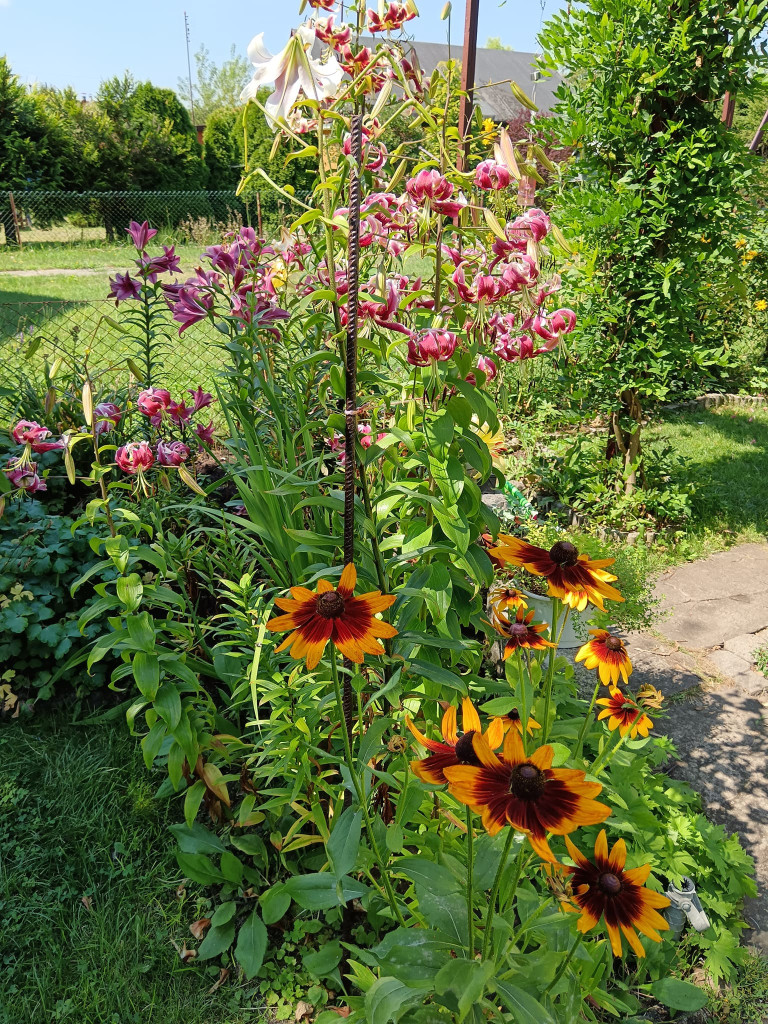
[
  {"x": 727, "y": 462},
  {"x": 88, "y": 888},
  {"x": 45, "y": 287},
  {"x": 85, "y": 256}
]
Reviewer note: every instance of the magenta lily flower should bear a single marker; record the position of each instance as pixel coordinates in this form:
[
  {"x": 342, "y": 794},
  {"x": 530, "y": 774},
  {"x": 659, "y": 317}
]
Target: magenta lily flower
[
  {"x": 141, "y": 234},
  {"x": 123, "y": 287}
]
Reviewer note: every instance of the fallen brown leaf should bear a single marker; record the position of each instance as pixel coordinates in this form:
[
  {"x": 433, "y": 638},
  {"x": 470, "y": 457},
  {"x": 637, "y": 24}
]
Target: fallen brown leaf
[
  {"x": 303, "y": 1010},
  {"x": 343, "y": 1011},
  {"x": 87, "y": 902},
  {"x": 223, "y": 975},
  {"x": 198, "y": 928}
]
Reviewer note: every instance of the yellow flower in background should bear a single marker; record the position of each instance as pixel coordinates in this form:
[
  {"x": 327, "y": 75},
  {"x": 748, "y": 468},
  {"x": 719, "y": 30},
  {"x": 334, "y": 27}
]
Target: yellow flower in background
[
  {"x": 750, "y": 255},
  {"x": 761, "y": 304},
  {"x": 489, "y": 129},
  {"x": 740, "y": 243},
  {"x": 705, "y": 239}
]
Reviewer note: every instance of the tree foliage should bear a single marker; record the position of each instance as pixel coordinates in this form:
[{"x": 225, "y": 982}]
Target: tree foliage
[
  {"x": 662, "y": 178},
  {"x": 215, "y": 87}
]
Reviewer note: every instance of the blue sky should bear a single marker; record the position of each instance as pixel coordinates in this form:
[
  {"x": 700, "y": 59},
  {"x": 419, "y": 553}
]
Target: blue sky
[{"x": 81, "y": 42}]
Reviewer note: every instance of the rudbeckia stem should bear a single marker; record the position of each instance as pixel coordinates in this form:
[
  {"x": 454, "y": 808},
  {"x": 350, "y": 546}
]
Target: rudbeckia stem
[
  {"x": 564, "y": 965},
  {"x": 495, "y": 891},
  {"x": 585, "y": 723},
  {"x": 470, "y": 886},
  {"x": 360, "y": 793},
  {"x": 556, "y": 635},
  {"x": 607, "y": 755}
]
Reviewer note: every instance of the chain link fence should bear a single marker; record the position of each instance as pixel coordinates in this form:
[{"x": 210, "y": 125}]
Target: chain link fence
[
  {"x": 35, "y": 217},
  {"x": 33, "y": 333}
]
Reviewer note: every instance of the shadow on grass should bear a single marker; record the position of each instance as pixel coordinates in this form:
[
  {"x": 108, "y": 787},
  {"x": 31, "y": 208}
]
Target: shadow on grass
[{"x": 728, "y": 466}]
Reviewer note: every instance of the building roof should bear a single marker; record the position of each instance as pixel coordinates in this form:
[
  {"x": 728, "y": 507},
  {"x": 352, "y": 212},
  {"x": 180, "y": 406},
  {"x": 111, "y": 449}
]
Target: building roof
[{"x": 497, "y": 101}]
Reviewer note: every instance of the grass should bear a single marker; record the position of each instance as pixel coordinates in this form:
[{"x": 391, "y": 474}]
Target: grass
[
  {"x": 85, "y": 255},
  {"x": 746, "y": 1001},
  {"x": 726, "y": 452},
  {"x": 57, "y": 287},
  {"x": 88, "y": 888}
]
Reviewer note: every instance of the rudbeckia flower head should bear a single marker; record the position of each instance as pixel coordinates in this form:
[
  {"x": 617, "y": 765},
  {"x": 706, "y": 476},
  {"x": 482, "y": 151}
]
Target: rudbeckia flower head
[
  {"x": 526, "y": 792},
  {"x": 349, "y": 622},
  {"x": 604, "y": 889},
  {"x": 521, "y": 632},
  {"x": 576, "y": 579},
  {"x": 624, "y": 714},
  {"x": 608, "y": 654},
  {"x": 457, "y": 747}
]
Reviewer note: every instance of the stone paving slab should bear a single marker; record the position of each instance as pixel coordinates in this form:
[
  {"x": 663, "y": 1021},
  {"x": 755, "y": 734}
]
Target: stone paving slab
[{"x": 722, "y": 740}]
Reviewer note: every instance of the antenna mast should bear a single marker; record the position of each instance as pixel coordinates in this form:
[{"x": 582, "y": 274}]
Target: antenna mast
[{"x": 189, "y": 70}]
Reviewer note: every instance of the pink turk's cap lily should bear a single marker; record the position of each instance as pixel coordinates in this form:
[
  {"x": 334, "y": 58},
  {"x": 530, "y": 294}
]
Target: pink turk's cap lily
[
  {"x": 205, "y": 433},
  {"x": 394, "y": 17},
  {"x": 153, "y": 401},
  {"x": 202, "y": 399},
  {"x": 106, "y": 416},
  {"x": 26, "y": 478},
  {"x": 141, "y": 234},
  {"x": 172, "y": 453},
  {"x": 553, "y": 326},
  {"x": 29, "y": 432},
  {"x": 488, "y": 367},
  {"x": 134, "y": 457},
  {"x": 491, "y": 177},
  {"x": 432, "y": 346}
]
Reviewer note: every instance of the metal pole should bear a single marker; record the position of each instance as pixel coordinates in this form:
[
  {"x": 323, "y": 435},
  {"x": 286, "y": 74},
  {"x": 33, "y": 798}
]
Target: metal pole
[
  {"x": 758, "y": 137},
  {"x": 189, "y": 71},
  {"x": 729, "y": 106},
  {"x": 16, "y": 224},
  {"x": 468, "y": 59}
]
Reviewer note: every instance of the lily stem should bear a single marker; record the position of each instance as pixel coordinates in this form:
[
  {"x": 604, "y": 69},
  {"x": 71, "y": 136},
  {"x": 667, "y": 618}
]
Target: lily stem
[{"x": 360, "y": 792}]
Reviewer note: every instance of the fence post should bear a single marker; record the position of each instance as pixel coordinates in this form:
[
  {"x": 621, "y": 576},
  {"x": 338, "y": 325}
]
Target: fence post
[{"x": 14, "y": 223}]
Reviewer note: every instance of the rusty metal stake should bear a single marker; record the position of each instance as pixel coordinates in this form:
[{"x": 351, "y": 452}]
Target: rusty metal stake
[{"x": 350, "y": 396}]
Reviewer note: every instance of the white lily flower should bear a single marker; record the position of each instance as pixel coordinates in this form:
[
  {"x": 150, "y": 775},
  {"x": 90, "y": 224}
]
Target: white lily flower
[{"x": 293, "y": 70}]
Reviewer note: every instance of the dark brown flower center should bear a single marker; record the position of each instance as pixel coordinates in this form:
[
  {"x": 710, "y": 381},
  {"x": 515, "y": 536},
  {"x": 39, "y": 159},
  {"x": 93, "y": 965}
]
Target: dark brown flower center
[
  {"x": 465, "y": 751},
  {"x": 613, "y": 643},
  {"x": 518, "y": 629},
  {"x": 527, "y": 781},
  {"x": 564, "y": 553},
  {"x": 609, "y": 883},
  {"x": 514, "y": 714},
  {"x": 330, "y": 604}
]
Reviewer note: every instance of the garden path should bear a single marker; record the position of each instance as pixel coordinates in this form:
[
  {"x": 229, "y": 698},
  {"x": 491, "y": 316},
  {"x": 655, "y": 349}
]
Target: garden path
[{"x": 702, "y": 658}]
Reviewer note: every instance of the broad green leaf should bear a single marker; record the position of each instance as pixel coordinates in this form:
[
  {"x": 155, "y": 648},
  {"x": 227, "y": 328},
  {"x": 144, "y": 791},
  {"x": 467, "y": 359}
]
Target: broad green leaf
[
  {"x": 322, "y": 963},
  {"x": 427, "y": 873},
  {"x": 168, "y": 704},
  {"x": 524, "y": 1008},
  {"x": 231, "y": 867},
  {"x": 679, "y": 995},
  {"x": 388, "y": 999},
  {"x": 224, "y": 913},
  {"x": 199, "y": 868},
  {"x": 146, "y": 672},
  {"x": 467, "y": 979},
  {"x": 150, "y": 745},
  {"x": 344, "y": 843},
  {"x": 320, "y": 891},
  {"x": 196, "y": 839},
  {"x": 216, "y": 941},
  {"x": 251, "y": 945},
  {"x": 274, "y": 903},
  {"x": 129, "y": 590}
]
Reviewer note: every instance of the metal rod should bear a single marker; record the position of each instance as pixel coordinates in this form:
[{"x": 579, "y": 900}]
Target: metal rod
[
  {"x": 189, "y": 70},
  {"x": 350, "y": 394},
  {"x": 468, "y": 59},
  {"x": 729, "y": 106},
  {"x": 758, "y": 136}
]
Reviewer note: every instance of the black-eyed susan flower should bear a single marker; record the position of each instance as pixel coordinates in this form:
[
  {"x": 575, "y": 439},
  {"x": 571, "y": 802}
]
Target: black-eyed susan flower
[
  {"x": 604, "y": 889},
  {"x": 326, "y": 614},
  {"x": 514, "y": 721},
  {"x": 521, "y": 632},
  {"x": 573, "y": 578},
  {"x": 456, "y": 747},
  {"x": 502, "y": 600},
  {"x": 526, "y": 792},
  {"x": 608, "y": 654},
  {"x": 624, "y": 714}
]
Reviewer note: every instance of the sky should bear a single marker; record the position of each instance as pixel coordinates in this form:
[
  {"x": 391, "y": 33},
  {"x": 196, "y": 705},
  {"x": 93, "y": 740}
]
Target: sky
[{"x": 82, "y": 42}]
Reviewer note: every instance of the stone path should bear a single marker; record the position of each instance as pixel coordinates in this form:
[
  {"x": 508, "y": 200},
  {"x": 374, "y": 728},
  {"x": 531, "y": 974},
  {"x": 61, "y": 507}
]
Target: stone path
[{"x": 702, "y": 653}]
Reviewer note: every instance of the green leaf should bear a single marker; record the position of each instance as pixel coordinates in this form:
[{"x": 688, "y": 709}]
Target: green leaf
[
  {"x": 217, "y": 940},
  {"x": 231, "y": 867},
  {"x": 146, "y": 672},
  {"x": 325, "y": 961},
  {"x": 196, "y": 839},
  {"x": 388, "y": 1000},
  {"x": 394, "y": 838},
  {"x": 224, "y": 913},
  {"x": 467, "y": 979},
  {"x": 199, "y": 868},
  {"x": 525, "y": 1009},
  {"x": 344, "y": 842},
  {"x": 320, "y": 891},
  {"x": 141, "y": 629},
  {"x": 129, "y": 590},
  {"x": 437, "y": 674},
  {"x": 274, "y": 903},
  {"x": 167, "y": 703},
  {"x": 192, "y": 800},
  {"x": 251, "y": 945},
  {"x": 429, "y": 874},
  {"x": 679, "y": 995},
  {"x": 150, "y": 745}
]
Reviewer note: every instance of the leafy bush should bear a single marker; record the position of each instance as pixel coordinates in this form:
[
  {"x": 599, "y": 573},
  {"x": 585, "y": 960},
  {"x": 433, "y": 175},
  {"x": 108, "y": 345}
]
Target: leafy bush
[{"x": 40, "y": 559}]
